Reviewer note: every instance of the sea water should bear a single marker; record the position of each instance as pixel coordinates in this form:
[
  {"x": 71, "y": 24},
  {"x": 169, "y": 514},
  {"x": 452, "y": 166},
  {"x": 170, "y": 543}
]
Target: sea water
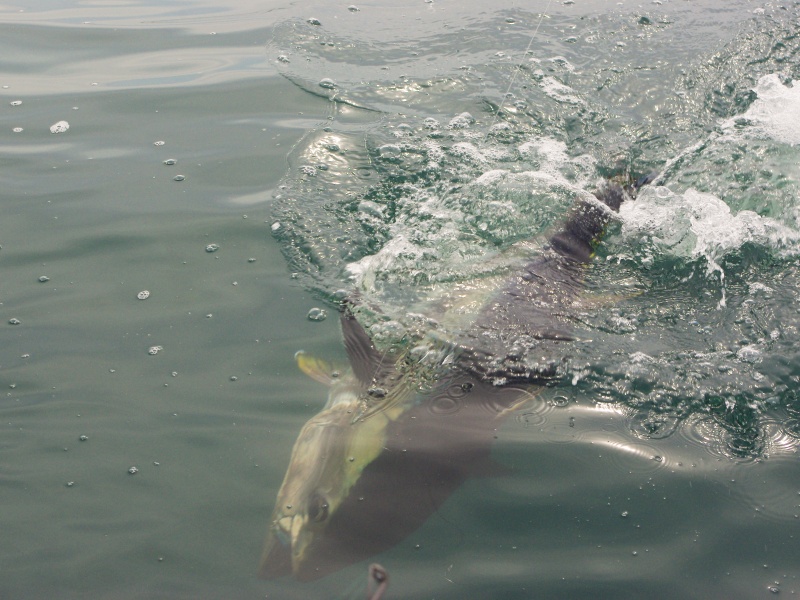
[{"x": 184, "y": 184}]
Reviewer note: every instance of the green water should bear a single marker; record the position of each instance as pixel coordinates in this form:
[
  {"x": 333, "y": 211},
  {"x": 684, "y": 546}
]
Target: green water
[{"x": 659, "y": 492}]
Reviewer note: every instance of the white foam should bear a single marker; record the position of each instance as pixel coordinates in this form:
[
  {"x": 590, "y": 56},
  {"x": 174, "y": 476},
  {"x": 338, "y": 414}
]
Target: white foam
[
  {"x": 775, "y": 113},
  {"x": 699, "y": 225},
  {"x": 553, "y": 159},
  {"x": 560, "y": 92},
  {"x": 468, "y": 151}
]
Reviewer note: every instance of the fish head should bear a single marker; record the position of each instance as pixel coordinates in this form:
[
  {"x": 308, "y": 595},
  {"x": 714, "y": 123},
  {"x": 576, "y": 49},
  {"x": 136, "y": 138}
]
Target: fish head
[{"x": 327, "y": 459}]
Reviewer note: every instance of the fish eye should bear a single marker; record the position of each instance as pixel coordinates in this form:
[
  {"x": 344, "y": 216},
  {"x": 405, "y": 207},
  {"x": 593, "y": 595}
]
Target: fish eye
[{"x": 318, "y": 508}]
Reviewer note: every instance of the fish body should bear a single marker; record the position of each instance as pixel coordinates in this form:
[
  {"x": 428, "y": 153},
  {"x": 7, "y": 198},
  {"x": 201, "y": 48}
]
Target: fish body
[{"x": 385, "y": 452}]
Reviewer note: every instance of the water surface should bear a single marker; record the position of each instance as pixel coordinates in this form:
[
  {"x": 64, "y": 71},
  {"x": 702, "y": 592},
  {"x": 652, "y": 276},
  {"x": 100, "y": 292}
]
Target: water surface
[{"x": 205, "y": 163}]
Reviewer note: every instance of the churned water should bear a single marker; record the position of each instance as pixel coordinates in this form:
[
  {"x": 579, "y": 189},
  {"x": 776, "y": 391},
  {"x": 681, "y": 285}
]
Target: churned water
[{"x": 190, "y": 188}]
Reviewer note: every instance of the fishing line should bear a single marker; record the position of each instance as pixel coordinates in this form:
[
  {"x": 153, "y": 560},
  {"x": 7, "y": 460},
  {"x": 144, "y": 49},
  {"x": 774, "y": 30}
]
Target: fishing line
[{"x": 519, "y": 65}]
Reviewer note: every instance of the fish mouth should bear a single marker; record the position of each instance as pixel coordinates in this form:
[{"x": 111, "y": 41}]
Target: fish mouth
[
  {"x": 276, "y": 559},
  {"x": 286, "y": 551}
]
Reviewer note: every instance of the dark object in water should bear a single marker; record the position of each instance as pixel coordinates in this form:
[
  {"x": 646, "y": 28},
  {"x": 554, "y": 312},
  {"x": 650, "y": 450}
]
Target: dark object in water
[{"x": 379, "y": 580}]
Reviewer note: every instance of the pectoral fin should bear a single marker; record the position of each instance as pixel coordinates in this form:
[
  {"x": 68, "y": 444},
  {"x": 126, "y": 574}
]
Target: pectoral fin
[{"x": 316, "y": 368}]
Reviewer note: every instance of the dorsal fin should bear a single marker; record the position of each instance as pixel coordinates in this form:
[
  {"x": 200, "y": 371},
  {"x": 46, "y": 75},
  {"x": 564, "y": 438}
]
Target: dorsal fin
[{"x": 365, "y": 360}]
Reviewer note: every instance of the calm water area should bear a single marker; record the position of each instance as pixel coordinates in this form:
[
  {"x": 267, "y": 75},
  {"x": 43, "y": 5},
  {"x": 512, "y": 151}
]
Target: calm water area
[{"x": 182, "y": 182}]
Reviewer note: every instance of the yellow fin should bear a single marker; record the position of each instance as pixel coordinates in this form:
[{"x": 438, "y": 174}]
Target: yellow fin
[{"x": 316, "y": 368}]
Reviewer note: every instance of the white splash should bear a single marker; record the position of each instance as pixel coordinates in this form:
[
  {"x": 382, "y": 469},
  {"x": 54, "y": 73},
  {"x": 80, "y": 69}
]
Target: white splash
[
  {"x": 700, "y": 225},
  {"x": 775, "y": 114}
]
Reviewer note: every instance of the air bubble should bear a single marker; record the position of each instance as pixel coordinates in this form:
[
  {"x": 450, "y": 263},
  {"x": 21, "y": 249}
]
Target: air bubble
[
  {"x": 327, "y": 83},
  {"x": 178, "y": 178},
  {"x": 283, "y": 58},
  {"x": 353, "y": 8},
  {"x": 17, "y": 130},
  {"x": 170, "y": 161},
  {"x": 13, "y": 321},
  {"x": 83, "y": 438},
  {"x": 59, "y": 127},
  {"x": 159, "y": 143},
  {"x": 313, "y": 21},
  {"x": 212, "y": 247},
  {"x": 317, "y": 314},
  {"x": 143, "y": 295},
  {"x": 15, "y": 102},
  {"x": 43, "y": 279},
  {"x": 153, "y": 350},
  {"x": 133, "y": 470}
]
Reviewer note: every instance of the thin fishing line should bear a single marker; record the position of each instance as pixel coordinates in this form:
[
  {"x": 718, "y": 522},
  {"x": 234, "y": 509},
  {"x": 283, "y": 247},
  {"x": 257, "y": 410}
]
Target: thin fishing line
[{"x": 519, "y": 65}]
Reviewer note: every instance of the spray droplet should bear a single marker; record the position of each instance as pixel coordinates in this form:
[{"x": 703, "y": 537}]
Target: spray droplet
[{"x": 59, "y": 127}]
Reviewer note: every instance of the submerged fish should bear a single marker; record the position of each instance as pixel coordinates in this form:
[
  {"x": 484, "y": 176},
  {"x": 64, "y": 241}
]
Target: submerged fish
[{"x": 385, "y": 451}]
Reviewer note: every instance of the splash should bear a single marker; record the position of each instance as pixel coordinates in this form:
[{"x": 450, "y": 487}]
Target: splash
[
  {"x": 775, "y": 114},
  {"x": 700, "y": 226}
]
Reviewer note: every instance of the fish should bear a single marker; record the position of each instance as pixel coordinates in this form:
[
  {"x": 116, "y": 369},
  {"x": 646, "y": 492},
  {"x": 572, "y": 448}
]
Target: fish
[{"x": 398, "y": 435}]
